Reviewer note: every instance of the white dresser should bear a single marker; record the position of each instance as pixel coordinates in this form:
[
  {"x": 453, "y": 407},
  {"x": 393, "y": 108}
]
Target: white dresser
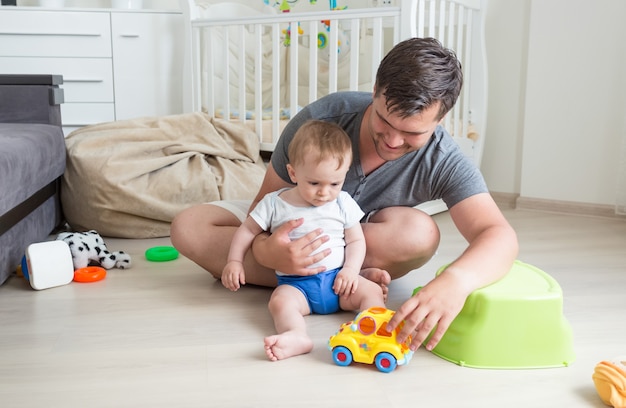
[{"x": 116, "y": 64}]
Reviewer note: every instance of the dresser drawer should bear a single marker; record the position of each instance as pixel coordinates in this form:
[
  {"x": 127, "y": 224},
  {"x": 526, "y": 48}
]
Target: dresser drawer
[
  {"x": 84, "y": 79},
  {"x": 27, "y": 33},
  {"x": 82, "y": 114}
]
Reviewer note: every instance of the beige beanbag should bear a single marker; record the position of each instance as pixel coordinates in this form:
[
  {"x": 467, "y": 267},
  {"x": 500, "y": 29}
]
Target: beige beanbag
[{"x": 130, "y": 178}]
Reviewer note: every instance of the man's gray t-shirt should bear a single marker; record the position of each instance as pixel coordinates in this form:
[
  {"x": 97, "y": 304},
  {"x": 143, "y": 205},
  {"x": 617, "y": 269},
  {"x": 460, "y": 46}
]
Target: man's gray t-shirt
[{"x": 437, "y": 170}]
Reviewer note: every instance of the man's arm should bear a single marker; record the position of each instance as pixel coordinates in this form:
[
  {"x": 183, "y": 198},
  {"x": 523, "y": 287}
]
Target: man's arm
[
  {"x": 276, "y": 251},
  {"x": 271, "y": 182},
  {"x": 491, "y": 251}
]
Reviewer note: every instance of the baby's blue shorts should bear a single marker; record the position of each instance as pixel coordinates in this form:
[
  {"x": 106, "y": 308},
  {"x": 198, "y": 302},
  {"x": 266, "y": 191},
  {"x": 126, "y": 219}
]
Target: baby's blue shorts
[{"x": 317, "y": 289}]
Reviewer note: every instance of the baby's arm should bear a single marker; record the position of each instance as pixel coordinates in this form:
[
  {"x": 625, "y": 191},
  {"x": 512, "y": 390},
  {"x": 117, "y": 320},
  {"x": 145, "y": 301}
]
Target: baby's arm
[
  {"x": 233, "y": 274},
  {"x": 347, "y": 279}
]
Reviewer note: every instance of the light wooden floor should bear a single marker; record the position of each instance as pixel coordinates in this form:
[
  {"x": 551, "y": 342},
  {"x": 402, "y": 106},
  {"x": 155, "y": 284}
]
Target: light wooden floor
[{"x": 169, "y": 335}]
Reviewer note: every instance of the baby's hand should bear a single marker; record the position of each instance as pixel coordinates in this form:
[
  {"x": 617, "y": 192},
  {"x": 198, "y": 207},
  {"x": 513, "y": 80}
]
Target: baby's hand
[
  {"x": 346, "y": 282},
  {"x": 233, "y": 275}
]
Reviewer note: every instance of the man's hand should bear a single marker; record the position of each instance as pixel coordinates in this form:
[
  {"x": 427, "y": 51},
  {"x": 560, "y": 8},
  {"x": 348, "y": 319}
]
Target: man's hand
[
  {"x": 277, "y": 251},
  {"x": 436, "y": 304}
]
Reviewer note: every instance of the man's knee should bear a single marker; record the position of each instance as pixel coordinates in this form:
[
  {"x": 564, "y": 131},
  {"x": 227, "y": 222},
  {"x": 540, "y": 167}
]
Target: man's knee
[
  {"x": 424, "y": 234},
  {"x": 175, "y": 228},
  {"x": 178, "y": 227},
  {"x": 410, "y": 230},
  {"x": 404, "y": 238}
]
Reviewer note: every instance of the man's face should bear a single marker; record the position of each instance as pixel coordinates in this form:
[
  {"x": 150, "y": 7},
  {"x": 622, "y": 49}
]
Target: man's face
[{"x": 393, "y": 136}]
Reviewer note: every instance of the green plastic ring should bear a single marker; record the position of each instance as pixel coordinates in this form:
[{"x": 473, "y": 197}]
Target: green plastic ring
[{"x": 161, "y": 254}]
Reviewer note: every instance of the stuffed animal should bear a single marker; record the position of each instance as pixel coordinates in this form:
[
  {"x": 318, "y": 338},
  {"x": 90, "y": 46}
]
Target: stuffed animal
[
  {"x": 89, "y": 248},
  {"x": 609, "y": 378}
]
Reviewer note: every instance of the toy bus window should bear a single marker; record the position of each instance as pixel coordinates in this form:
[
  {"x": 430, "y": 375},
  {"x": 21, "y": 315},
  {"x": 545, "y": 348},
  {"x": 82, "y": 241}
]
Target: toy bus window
[
  {"x": 367, "y": 325},
  {"x": 383, "y": 330}
]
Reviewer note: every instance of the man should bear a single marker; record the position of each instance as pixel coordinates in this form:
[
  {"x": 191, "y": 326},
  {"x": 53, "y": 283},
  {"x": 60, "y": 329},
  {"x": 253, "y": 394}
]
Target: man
[{"x": 402, "y": 157}]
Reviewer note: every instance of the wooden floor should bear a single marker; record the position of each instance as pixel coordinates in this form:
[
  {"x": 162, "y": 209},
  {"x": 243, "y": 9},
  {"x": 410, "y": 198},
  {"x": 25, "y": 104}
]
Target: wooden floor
[{"x": 169, "y": 335}]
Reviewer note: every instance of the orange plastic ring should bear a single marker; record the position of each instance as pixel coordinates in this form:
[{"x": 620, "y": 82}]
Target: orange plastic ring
[{"x": 89, "y": 274}]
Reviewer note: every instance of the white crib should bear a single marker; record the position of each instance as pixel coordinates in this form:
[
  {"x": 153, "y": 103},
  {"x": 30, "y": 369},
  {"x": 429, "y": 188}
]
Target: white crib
[{"x": 258, "y": 66}]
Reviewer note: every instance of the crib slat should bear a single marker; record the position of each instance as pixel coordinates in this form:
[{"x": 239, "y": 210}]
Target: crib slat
[
  {"x": 196, "y": 91},
  {"x": 451, "y": 22},
  {"x": 407, "y": 20},
  {"x": 333, "y": 50},
  {"x": 459, "y": 53},
  {"x": 293, "y": 69},
  {"x": 312, "y": 61},
  {"x": 442, "y": 21},
  {"x": 397, "y": 35},
  {"x": 432, "y": 10},
  {"x": 467, "y": 64},
  {"x": 258, "y": 81},
  {"x": 355, "y": 46},
  {"x": 421, "y": 13},
  {"x": 377, "y": 45},
  {"x": 226, "y": 65},
  {"x": 241, "y": 74},
  {"x": 276, "y": 86},
  {"x": 448, "y": 41},
  {"x": 211, "y": 72}
]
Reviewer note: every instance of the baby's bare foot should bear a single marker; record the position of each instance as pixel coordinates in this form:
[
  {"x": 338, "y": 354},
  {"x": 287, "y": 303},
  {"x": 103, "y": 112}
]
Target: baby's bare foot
[
  {"x": 378, "y": 276},
  {"x": 288, "y": 344}
]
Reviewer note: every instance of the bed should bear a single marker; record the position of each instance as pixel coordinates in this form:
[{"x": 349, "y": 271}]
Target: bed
[{"x": 258, "y": 65}]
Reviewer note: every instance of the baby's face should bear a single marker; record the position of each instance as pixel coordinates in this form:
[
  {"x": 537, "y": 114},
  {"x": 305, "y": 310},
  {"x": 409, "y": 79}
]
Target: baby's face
[{"x": 320, "y": 182}]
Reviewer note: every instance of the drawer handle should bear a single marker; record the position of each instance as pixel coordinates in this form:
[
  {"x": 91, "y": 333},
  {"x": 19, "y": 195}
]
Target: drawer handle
[
  {"x": 83, "y": 80},
  {"x": 129, "y": 35},
  {"x": 51, "y": 34}
]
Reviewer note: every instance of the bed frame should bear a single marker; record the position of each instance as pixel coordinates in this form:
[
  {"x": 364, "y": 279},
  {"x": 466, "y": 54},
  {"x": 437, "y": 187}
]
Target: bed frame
[{"x": 251, "y": 61}]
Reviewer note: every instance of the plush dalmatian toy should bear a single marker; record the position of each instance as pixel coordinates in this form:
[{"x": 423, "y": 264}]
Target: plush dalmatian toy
[{"x": 89, "y": 248}]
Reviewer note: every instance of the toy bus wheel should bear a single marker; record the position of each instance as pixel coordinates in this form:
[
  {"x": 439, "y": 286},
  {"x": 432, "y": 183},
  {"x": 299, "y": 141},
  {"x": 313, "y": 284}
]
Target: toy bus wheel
[
  {"x": 342, "y": 356},
  {"x": 385, "y": 362}
]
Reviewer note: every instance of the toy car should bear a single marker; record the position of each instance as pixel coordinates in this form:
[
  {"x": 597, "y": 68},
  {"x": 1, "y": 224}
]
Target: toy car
[{"x": 366, "y": 340}]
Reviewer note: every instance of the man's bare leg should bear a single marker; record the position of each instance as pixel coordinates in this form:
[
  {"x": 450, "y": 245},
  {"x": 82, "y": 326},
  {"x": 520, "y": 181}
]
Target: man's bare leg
[
  {"x": 399, "y": 239},
  {"x": 380, "y": 277},
  {"x": 203, "y": 233}
]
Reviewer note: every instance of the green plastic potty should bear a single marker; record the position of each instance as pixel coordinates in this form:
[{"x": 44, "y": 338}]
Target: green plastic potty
[{"x": 514, "y": 323}]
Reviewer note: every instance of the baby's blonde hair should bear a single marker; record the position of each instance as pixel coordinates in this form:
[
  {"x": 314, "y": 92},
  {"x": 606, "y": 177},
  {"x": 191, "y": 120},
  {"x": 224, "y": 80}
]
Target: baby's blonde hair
[{"x": 320, "y": 140}]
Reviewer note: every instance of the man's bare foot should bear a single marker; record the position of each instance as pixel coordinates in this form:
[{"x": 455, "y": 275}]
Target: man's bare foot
[
  {"x": 379, "y": 276},
  {"x": 288, "y": 344}
]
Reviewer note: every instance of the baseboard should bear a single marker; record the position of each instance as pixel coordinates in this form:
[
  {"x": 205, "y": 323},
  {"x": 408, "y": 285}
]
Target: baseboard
[
  {"x": 504, "y": 200},
  {"x": 510, "y": 201},
  {"x": 566, "y": 207}
]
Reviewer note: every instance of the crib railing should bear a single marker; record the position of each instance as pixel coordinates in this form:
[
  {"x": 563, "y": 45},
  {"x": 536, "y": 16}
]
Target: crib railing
[
  {"x": 236, "y": 74},
  {"x": 292, "y": 34},
  {"x": 459, "y": 25}
]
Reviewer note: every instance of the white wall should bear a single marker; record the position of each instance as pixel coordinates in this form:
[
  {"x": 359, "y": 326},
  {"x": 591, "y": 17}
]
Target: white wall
[
  {"x": 557, "y": 98},
  {"x": 506, "y": 39}
]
